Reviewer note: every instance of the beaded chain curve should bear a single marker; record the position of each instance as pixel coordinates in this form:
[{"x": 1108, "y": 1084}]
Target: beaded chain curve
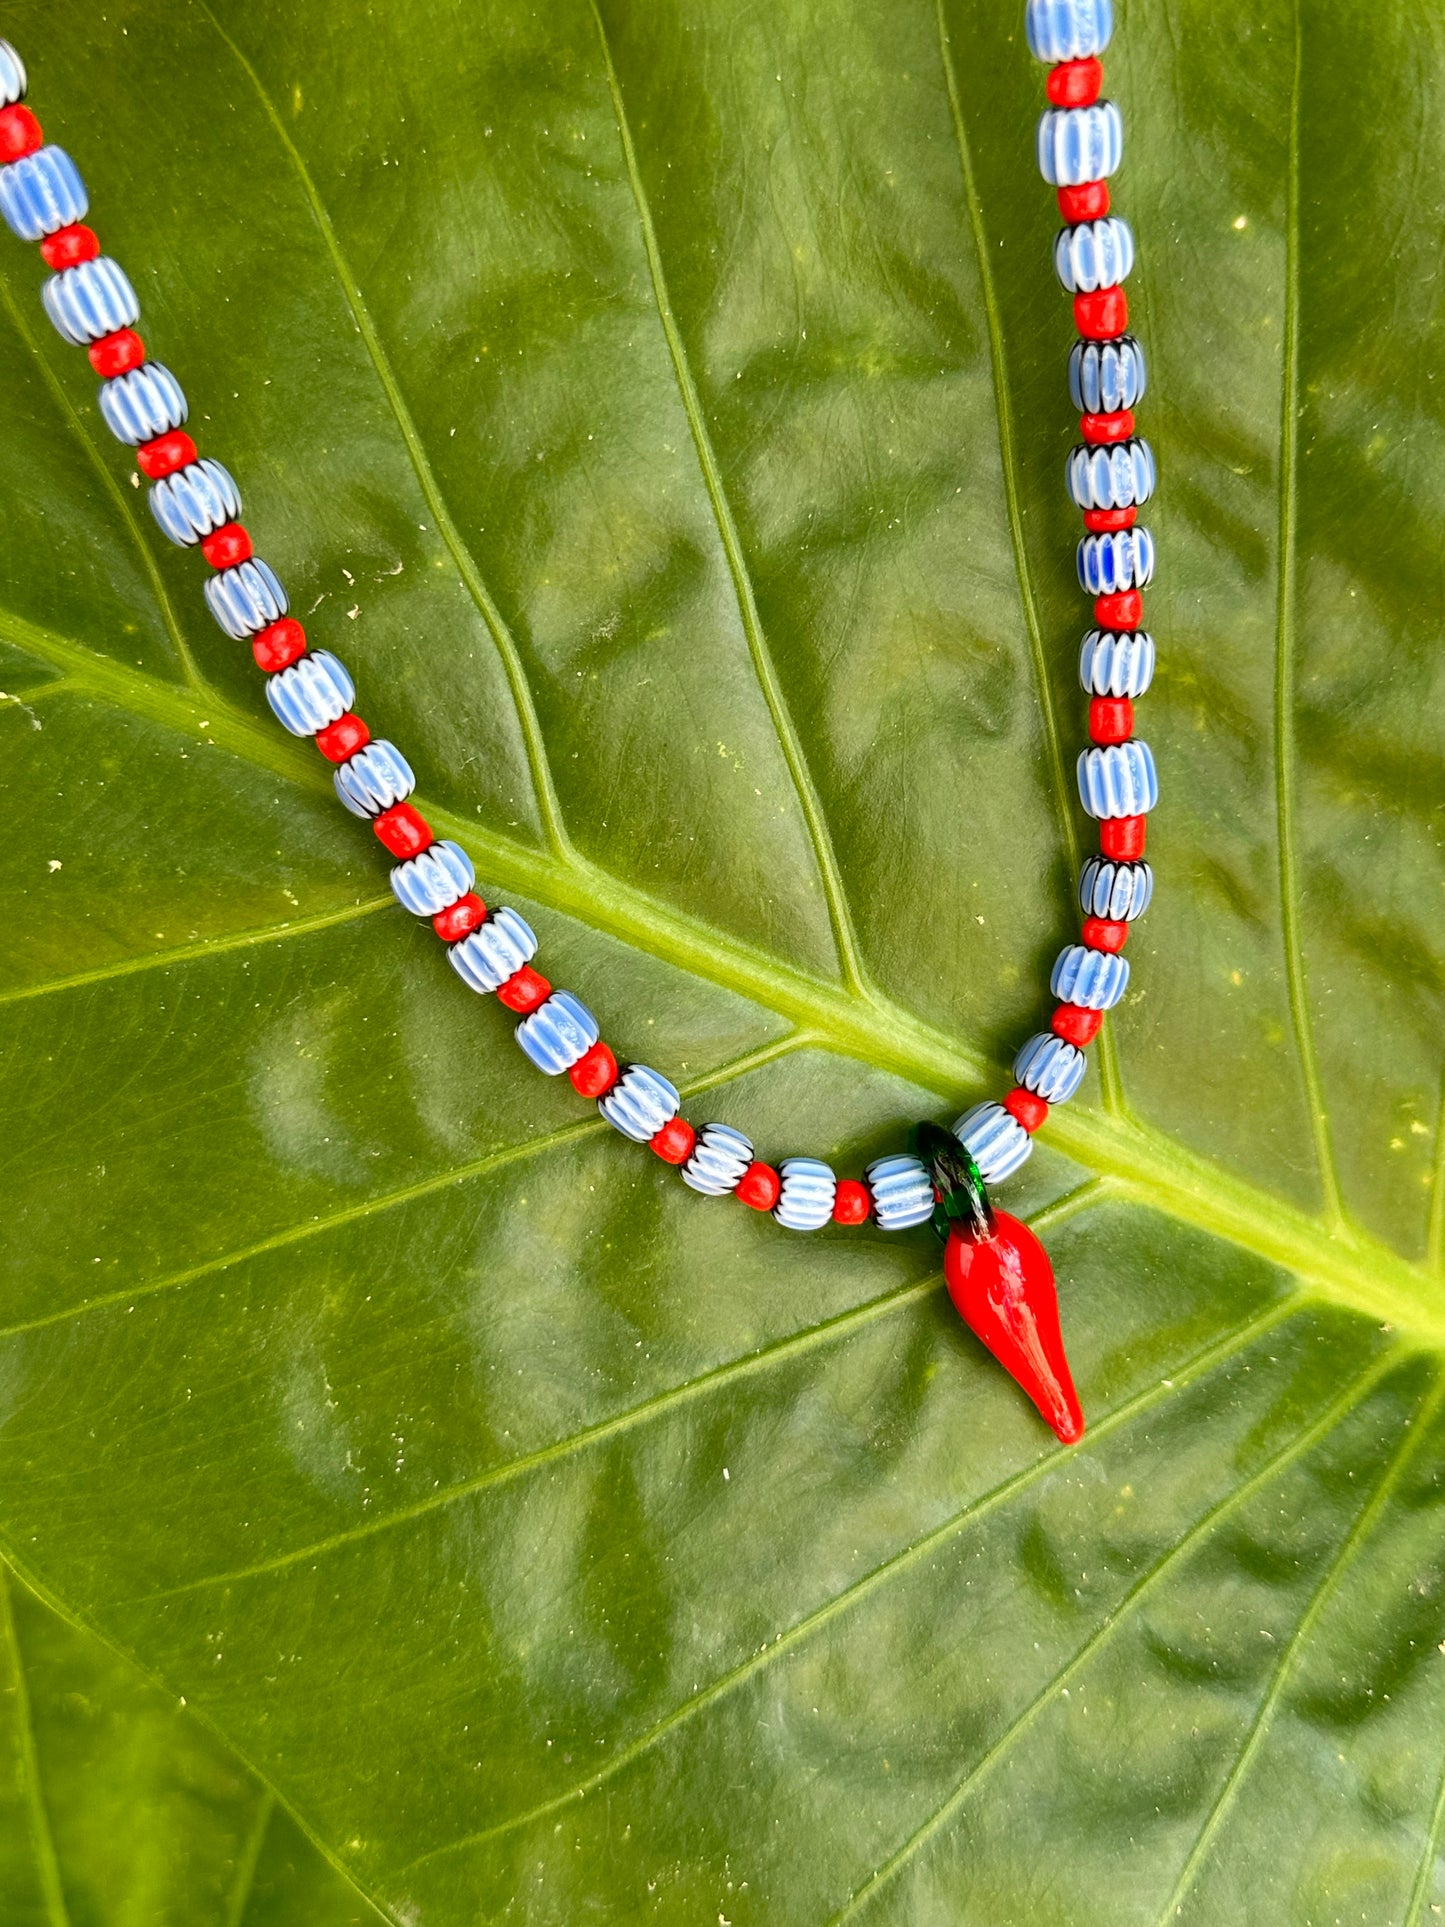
[{"x": 197, "y": 504}]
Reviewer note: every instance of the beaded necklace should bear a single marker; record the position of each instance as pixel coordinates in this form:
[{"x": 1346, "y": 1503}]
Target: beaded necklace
[{"x": 998, "y": 1274}]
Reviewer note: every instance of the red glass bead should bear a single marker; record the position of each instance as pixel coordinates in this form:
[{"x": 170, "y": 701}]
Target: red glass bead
[
  {"x": 224, "y": 547},
  {"x": 1111, "y": 719},
  {"x": 166, "y": 454},
  {"x": 1123, "y": 837},
  {"x": 852, "y": 1202},
  {"x": 278, "y": 645},
  {"x": 1103, "y": 933},
  {"x": 116, "y": 354},
  {"x": 1101, "y": 315},
  {"x": 1122, "y": 611},
  {"x": 524, "y": 990},
  {"x": 759, "y": 1186},
  {"x": 19, "y": 133},
  {"x": 1076, "y": 1025},
  {"x": 69, "y": 246},
  {"x": 1003, "y": 1289},
  {"x": 1075, "y": 83},
  {"x": 1086, "y": 202},
  {"x": 596, "y": 1072},
  {"x": 1027, "y": 1107},
  {"x": 342, "y": 738},
  {"x": 1100, "y": 521},
  {"x": 674, "y": 1142},
  {"x": 1117, "y": 427},
  {"x": 403, "y": 830},
  {"x": 459, "y": 919}
]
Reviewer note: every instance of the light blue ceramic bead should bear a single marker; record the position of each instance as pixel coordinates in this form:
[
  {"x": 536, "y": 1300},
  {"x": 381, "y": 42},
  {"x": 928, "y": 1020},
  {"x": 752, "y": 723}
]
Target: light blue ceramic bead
[
  {"x": 311, "y": 693},
  {"x": 434, "y": 880},
  {"x": 557, "y": 1033},
  {"x": 147, "y": 402},
  {"x": 1119, "y": 475},
  {"x": 245, "y": 599},
  {"x": 494, "y": 951},
  {"x": 374, "y": 778},
  {"x": 1118, "y": 891},
  {"x": 1079, "y": 144},
  {"x": 1117, "y": 559},
  {"x": 1049, "y": 1067},
  {"x": 805, "y": 1202},
  {"x": 719, "y": 1158},
  {"x": 1068, "y": 29},
  {"x": 994, "y": 1138},
  {"x": 1105, "y": 376},
  {"x": 1095, "y": 254},
  {"x": 41, "y": 193},
  {"x": 902, "y": 1192},
  {"x": 91, "y": 300},
  {"x": 639, "y": 1103},
  {"x": 1116, "y": 665},
  {"x": 12, "y": 75},
  {"x": 1118, "y": 779},
  {"x": 1093, "y": 979},
  {"x": 194, "y": 501}
]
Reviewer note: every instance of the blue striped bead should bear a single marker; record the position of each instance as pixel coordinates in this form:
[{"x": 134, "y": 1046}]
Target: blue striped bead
[
  {"x": 147, "y": 402},
  {"x": 1105, "y": 376},
  {"x": 1068, "y": 29},
  {"x": 1049, "y": 1067},
  {"x": 1079, "y": 144},
  {"x": 805, "y": 1202},
  {"x": 246, "y": 598},
  {"x": 1093, "y": 979},
  {"x": 639, "y": 1103},
  {"x": 374, "y": 778},
  {"x": 1117, "y": 475},
  {"x": 1095, "y": 254},
  {"x": 91, "y": 300},
  {"x": 902, "y": 1193},
  {"x": 13, "y": 80},
  {"x": 311, "y": 693},
  {"x": 494, "y": 951},
  {"x": 557, "y": 1033},
  {"x": 1118, "y": 891},
  {"x": 41, "y": 193},
  {"x": 994, "y": 1139},
  {"x": 1118, "y": 779},
  {"x": 1118, "y": 559},
  {"x": 1111, "y": 664},
  {"x": 434, "y": 880},
  {"x": 195, "y": 500},
  {"x": 719, "y": 1158}
]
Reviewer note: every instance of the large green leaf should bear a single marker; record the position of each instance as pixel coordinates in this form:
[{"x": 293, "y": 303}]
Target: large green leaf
[{"x": 660, "y": 406}]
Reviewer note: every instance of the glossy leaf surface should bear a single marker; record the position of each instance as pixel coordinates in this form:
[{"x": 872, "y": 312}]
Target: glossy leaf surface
[{"x": 661, "y": 409}]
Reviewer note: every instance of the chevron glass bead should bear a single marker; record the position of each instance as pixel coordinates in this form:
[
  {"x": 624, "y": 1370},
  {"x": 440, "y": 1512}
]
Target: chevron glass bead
[
  {"x": 1095, "y": 254},
  {"x": 1117, "y": 475},
  {"x": 994, "y": 1139},
  {"x": 805, "y": 1202},
  {"x": 1114, "y": 664},
  {"x": 557, "y": 1033},
  {"x": 91, "y": 300},
  {"x": 1105, "y": 376},
  {"x": 1049, "y": 1067},
  {"x": 495, "y": 951},
  {"x": 434, "y": 880},
  {"x": 1068, "y": 29},
  {"x": 639, "y": 1103},
  {"x": 310, "y": 694},
  {"x": 247, "y": 598},
  {"x": 12, "y": 75},
  {"x": 1077, "y": 144},
  {"x": 195, "y": 501},
  {"x": 1094, "y": 979},
  {"x": 374, "y": 778},
  {"x": 1115, "y": 890},
  {"x": 902, "y": 1192},
  {"x": 719, "y": 1158},
  {"x": 1118, "y": 779},
  {"x": 41, "y": 193},
  {"x": 1116, "y": 560},
  {"x": 147, "y": 402}
]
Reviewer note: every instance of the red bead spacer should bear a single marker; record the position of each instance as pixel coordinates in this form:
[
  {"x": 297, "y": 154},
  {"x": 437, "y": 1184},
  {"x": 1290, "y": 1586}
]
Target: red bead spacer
[
  {"x": 19, "y": 133},
  {"x": 343, "y": 738},
  {"x": 166, "y": 454},
  {"x": 524, "y": 990},
  {"x": 116, "y": 354},
  {"x": 1101, "y": 315},
  {"x": 1111, "y": 719},
  {"x": 1086, "y": 202},
  {"x": 1075, "y": 83},
  {"x": 1117, "y": 427},
  {"x": 674, "y": 1142},
  {"x": 1122, "y": 837},
  {"x": 278, "y": 645},
  {"x": 1100, "y": 521},
  {"x": 1122, "y": 611},
  {"x": 1025, "y": 1107},
  {"x": 1102, "y": 933},
  {"x": 1076, "y": 1025},
  {"x": 224, "y": 547},
  {"x": 460, "y": 919},
  {"x": 403, "y": 830},
  {"x": 596, "y": 1072},
  {"x": 759, "y": 1186},
  {"x": 69, "y": 246},
  {"x": 852, "y": 1202}
]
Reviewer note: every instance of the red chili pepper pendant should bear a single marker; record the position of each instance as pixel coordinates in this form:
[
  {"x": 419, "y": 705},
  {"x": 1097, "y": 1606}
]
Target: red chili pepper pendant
[{"x": 1003, "y": 1289}]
